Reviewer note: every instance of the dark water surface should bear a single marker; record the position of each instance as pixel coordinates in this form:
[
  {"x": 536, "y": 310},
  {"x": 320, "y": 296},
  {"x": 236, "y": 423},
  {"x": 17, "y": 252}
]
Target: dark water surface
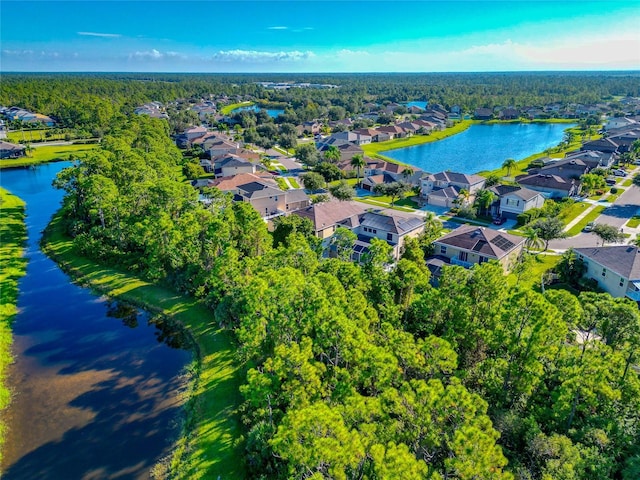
[
  {"x": 482, "y": 147},
  {"x": 96, "y": 395}
]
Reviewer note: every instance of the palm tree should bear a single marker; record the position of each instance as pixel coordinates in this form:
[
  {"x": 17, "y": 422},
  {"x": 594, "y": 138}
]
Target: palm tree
[
  {"x": 358, "y": 162},
  {"x": 509, "y": 163},
  {"x": 463, "y": 196},
  {"x": 407, "y": 172},
  {"x": 533, "y": 241},
  {"x": 332, "y": 154},
  {"x": 484, "y": 199}
]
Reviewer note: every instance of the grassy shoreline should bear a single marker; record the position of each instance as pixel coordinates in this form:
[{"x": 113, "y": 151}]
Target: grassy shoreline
[
  {"x": 210, "y": 444},
  {"x": 49, "y": 153},
  {"x": 227, "y": 109},
  {"x": 13, "y": 234}
]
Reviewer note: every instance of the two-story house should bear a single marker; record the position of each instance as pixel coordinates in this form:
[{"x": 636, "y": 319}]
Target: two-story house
[
  {"x": 512, "y": 200},
  {"x": 229, "y": 165},
  {"x": 393, "y": 228},
  {"x": 442, "y": 189},
  {"x": 469, "y": 245},
  {"x": 616, "y": 269}
]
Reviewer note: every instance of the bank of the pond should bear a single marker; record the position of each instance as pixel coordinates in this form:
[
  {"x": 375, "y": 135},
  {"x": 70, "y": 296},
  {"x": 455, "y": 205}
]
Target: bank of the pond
[
  {"x": 49, "y": 153},
  {"x": 373, "y": 150},
  {"x": 13, "y": 234},
  {"x": 210, "y": 446}
]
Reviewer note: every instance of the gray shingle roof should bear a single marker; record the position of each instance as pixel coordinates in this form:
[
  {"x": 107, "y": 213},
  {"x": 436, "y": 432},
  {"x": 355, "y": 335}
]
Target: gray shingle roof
[
  {"x": 622, "y": 259},
  {"x": 391, "y": 223},
  {"x": 481, "y": 240}
]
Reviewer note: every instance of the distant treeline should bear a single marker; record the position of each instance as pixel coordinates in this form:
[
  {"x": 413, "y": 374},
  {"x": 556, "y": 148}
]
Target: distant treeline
[{"x": 92, "y": 101}]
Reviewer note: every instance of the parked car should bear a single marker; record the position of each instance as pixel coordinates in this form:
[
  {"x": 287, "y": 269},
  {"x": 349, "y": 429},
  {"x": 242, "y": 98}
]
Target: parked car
[
  {"x": 610, "y": 180},
  {"x": 589, "y": 227},
  {"x": 499, "y": 220},
  {"x": 620, "y": 173}
]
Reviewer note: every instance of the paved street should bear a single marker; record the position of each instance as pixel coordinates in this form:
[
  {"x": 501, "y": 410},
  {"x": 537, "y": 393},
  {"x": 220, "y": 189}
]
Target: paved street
[{"x": 626, "y": 206}]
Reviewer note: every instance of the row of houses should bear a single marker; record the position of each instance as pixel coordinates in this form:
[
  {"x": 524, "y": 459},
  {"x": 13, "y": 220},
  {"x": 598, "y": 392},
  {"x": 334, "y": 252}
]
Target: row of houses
[{"x": 13, "y": 114}]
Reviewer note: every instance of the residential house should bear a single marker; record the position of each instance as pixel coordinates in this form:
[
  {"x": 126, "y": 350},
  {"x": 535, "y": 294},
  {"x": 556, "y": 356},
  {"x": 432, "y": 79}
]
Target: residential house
[
  {"x": 592, "y": 158},
  {"x": 512, "y": 200},
  {"x": 376, "y": 135},
  {"x": 309, "y": 128},
  {"x": 230, "y": 184},
  {"x": 552, "y": 186},
  {"x": 616, "y": 269},
  {"x": 370, "y": 182},
  {"x": 229, "y": 165},
  {"x": 194, "y": 132},
  {"x": 483, "y": 114},
  {"x": 352, "y": 137},
  {"x": 606, "y": 145},
  {"x": 567, "y": 168},
  {"x": 394, "y": 131},
  {"x": 216, "y": 146},
  {"x": 619, "y": 122},
  {"x": 10, "y": 150},
  {"x": 442, "y": 188},
  {"x": 327, "y": 216},
  {"x": 469, "y": 245},
  {"x": 415, "y": 110},
  {"x": 393, "y": 228},
  {"x": 270, "y": 201},
  {"x": 347, "y": 150},
  {"x": 509, "y": 114}
]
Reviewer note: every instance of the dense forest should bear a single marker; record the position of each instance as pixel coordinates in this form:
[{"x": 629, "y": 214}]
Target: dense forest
[
  {"x": 92, "y": 102},
  {"x": 358, "y": 371}
]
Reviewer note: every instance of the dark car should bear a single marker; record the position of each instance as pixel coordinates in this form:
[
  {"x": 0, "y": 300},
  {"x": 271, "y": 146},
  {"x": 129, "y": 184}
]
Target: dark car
[{"x": 499, "y": 220}]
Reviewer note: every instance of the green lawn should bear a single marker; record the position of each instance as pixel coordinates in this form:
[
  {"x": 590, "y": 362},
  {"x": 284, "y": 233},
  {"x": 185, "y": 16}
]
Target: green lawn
[
  {"x": 13, "y": 234},
  {"x": 633, "y": 221},
  {"x": 350, "y": 181},
  {"x": 590, "y": 217},
  {"x": 373, "y": 150},
  {"x": 226, "y": 110},
  {"x": 404, "y": 202},
  {"x": 372, "y": 201},
  {"x": 293, "y": 182},
  {"x": 282, "y": 183},
  {"x": 628, "y": 182},
  {"x": 30, "y": 136},
  {"x": 48, "y": 153},
  {"x": 572, "y": 211},
  {"x": 211, "y": 444},
  {"x": 532, "y": 278}
]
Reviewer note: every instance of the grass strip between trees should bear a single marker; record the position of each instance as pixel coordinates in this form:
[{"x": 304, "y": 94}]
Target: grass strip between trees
[
  {"x": 13, "y": 234},
  {"x": 210, "y": 445},
  {"x": 589, "y": 217}
]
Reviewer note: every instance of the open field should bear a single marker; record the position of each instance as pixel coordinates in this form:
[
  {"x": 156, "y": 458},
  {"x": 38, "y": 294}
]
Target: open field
[
  {"x": 48, "y": 153},
  {"x": 13, "y": 234},
  {"x": 36, "y": 135},
  {"x": 210, "y": 446}
]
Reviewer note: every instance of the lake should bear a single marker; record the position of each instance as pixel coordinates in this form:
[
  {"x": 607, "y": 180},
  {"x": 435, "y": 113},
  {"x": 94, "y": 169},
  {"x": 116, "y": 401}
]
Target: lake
[
  {"x": 95, "y": 391},
  {"x": 273, "y": 113},
  {"x": 482, "y": 147}
]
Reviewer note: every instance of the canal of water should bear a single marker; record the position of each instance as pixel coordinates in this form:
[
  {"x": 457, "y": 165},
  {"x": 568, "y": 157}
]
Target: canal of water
[{"x": 96, "y": 388}]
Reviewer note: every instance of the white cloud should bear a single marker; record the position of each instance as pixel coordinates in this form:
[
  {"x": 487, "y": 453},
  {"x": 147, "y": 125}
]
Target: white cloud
[
  {"x": 258, "y": 56},
  {"x": 277, "y": 28},
  {"x": 152, "y": 54},
  {"x": 97, "y": 34}
]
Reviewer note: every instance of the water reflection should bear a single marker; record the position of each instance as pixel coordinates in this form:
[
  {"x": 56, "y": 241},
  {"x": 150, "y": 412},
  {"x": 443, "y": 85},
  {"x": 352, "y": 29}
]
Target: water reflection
[{"x": 93, "y": 398}]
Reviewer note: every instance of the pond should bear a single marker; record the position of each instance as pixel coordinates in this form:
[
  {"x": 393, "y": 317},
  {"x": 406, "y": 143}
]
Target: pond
[
  {"x": 95, "y": 383},
  {"x": 273, "y": 113},
  {"x": 482, "y": 147}
]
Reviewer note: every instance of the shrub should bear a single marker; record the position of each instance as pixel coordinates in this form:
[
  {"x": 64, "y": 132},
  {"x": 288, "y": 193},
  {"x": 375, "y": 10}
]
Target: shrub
[{"x": 613, "y": 190}]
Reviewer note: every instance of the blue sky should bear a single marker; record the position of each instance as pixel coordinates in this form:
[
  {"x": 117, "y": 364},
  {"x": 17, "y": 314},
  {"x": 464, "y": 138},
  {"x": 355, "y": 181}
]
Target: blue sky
[{"x": 318, "y": 36}]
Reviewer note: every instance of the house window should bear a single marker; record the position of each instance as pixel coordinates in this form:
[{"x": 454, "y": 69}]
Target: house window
[
  {"x": 604, "y": 272},
  {"x": 622, "y": 282},
  {"x": 389, "y": 236},
  {"x": 482, "y": 259},
  {"x": 512, "y": 202},
  {"x": 463, "y": 256},
  {"x": 443, "y": 249},
  {"x": 375, "y": 231}
]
